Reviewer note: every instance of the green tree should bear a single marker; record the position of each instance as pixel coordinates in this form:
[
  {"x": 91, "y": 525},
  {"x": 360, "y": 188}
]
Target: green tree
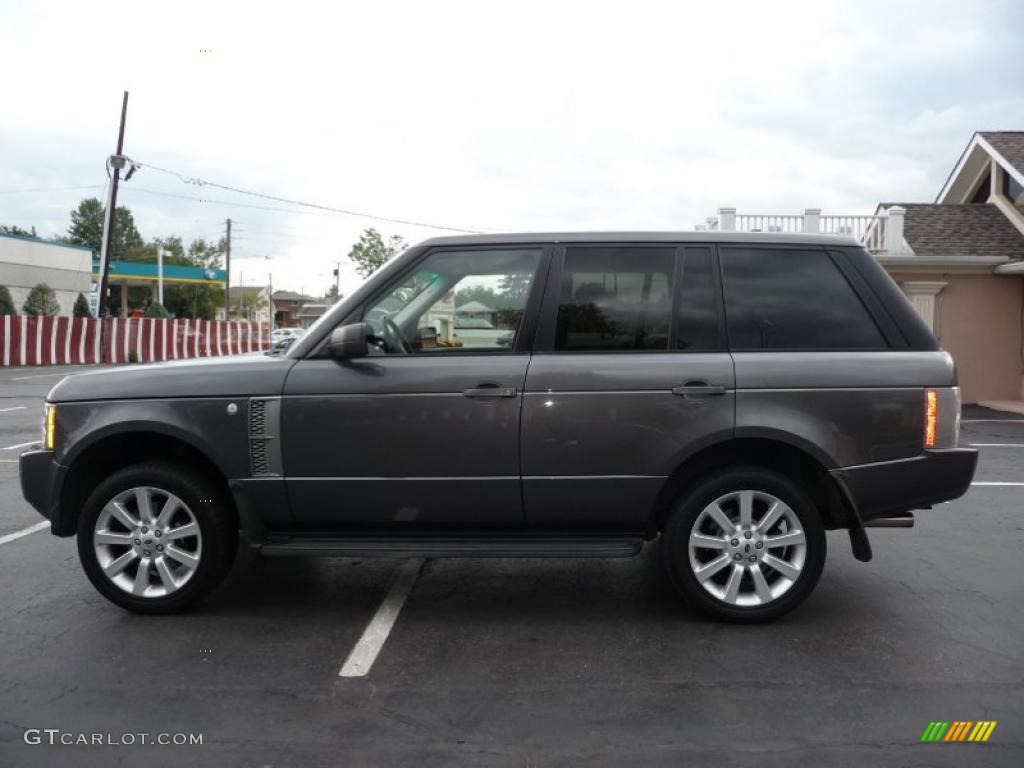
[
  {"x": 41, "y": 301},
  {"x": 481, "y": 293},
  {"x": 372, "y": 251},
  {"x": 87, "y": 229},
  {"x": 81, "y": 308},
  {"x": 16, "y": 230},
  {"x": 6, "y": 302}
]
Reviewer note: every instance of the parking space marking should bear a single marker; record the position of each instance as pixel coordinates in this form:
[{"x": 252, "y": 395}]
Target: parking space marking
[
  {"x": 361, "y": 659},
  {"x": 24, "y": 532},
  {"x": 983, "y": 483},
  {"x": 14, "y": 408},
  {"x": 21, "y": 445},
  {"x": 996, "y": 445},
  {"x": 992, "y": 421}
]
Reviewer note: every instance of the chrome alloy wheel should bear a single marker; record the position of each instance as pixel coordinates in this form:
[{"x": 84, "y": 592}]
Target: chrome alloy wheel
[
  {"x": 747, "y": 548},
  {"x": 147, "y": 542}
]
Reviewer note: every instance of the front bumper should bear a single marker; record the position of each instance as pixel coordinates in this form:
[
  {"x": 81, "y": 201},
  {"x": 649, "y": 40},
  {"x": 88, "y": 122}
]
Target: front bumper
[
  {"x": 39, "y": 470},
  {"x": 891, "y": 487}
]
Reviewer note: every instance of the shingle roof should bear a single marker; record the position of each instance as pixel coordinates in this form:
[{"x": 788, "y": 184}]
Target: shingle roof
[
  {"x": 1009, "y": 144},
  {"x": 936, "y": 230}
]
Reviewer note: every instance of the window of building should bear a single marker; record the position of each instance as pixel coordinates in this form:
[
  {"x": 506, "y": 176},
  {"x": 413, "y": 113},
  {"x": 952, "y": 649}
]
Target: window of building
[
  {"x": 792, "y": 299},
  {"x": 1013, "y": 190},
  {"x": 615, "y": 299}
]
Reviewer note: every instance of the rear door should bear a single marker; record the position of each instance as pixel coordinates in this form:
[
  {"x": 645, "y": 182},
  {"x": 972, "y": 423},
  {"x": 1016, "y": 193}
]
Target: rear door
[{"x": 630, "y": 375}]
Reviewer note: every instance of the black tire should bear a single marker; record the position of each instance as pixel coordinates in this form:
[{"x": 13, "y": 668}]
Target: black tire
[
  {"x": 212, "y": 512},
  {"x": 676, "y": 538}
]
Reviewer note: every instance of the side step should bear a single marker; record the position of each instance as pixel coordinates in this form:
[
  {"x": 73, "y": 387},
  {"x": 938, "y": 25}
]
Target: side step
[
  {"x": 900, "y": 521},
  {"x": 406, "y": 545}
]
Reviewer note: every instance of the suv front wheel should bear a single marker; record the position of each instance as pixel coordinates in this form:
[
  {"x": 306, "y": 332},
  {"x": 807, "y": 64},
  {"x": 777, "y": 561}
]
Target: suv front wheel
[
  {"x": 745, "y": 545},
  {"x": 155, "y": 537}
]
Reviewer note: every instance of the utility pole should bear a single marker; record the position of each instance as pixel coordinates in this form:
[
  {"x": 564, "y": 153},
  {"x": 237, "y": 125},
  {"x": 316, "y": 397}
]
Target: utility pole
[
  {"x": 227, "y": 272},
  {"x": 106, "y": 256}
]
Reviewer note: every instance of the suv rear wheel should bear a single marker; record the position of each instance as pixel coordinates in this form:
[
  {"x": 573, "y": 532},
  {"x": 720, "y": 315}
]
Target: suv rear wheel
[
  {"x": 155, "y": 537},
  {"x": 746, "y": 545}
]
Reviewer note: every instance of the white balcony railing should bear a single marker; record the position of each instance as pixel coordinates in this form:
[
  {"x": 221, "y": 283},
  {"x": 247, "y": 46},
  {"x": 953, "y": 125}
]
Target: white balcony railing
[{"x": 879, "y": 233}]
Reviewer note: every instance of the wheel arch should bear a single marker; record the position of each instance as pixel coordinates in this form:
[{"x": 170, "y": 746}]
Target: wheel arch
[
  {"x": 110, "y": 449},
  {"x": 782, "y": 453}
]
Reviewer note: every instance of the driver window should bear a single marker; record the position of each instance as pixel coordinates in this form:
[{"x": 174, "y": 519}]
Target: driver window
[{"x": 455, "y": 301}]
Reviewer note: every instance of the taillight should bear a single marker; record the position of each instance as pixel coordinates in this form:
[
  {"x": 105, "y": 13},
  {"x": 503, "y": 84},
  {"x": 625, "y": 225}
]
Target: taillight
[{"x": 931, "y": 417}]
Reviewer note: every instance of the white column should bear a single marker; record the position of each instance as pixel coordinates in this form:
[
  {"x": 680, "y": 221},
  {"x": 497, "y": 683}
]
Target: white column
[
  {"x": 894, "y": 230},
  {"x": 922, "y": 297},
  {"x": 727, "y": 219},
  {"x": 812, "y": 220}
]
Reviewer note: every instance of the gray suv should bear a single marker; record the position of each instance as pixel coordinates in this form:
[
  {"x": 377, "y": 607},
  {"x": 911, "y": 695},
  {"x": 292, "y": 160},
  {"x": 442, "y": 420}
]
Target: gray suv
[{"x": 731, "y": 395}]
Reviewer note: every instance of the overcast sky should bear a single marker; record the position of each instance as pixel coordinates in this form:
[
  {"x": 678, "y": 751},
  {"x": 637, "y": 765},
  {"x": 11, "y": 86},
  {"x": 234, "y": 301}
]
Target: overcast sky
[{"x": 515, "y": 116}]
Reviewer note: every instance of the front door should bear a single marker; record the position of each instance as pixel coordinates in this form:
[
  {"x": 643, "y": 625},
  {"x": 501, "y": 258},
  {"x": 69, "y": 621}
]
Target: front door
[
  {"x": 630, "y": 376},
  {"x": 423, "y": 432}
]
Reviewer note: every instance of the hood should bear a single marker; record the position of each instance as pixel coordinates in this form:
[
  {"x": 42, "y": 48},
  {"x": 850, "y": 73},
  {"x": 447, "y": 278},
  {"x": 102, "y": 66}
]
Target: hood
[{"x": 228, "y": 376}]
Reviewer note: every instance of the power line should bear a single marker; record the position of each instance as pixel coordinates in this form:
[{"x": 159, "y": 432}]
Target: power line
[{"x": 304, "y": 204}]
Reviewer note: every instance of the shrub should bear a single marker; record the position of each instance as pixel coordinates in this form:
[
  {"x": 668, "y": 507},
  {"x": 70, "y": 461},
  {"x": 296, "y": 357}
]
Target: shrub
[
  {"x": 41, "y": 301},
  {"x": 81, "y": 308},
  {"x": 156, "y": 309},
  {"x": 6, "y": 302}
]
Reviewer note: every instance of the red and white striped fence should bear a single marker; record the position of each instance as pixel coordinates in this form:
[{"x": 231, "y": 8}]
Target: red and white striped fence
[{"x": 29, "y": 340}]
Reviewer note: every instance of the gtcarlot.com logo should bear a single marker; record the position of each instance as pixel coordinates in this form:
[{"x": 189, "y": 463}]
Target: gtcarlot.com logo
[
  {"x": 57, "y": 737},
  {"x": 958, "y": 730}
]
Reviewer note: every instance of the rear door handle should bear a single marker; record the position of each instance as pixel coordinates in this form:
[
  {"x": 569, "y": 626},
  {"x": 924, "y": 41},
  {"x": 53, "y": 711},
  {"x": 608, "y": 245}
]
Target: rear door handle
[
  {"x": 490, "y": 390},
  {"x": 699, "y": 389}
]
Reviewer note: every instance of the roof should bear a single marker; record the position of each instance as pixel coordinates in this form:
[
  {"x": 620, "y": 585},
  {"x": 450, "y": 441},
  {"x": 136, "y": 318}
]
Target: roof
[
  {"x": 474, "y": 307},
  {"x": 44, "y": 241},
  {"x": 246, "y": 290},
  {"x": 527, "y": 238},
  {"x": 290, "y": 296},
  {"x": 312, "y": 310},
  {"x": 944, "y": 231},
  {"x": 1009, "y": 144}
]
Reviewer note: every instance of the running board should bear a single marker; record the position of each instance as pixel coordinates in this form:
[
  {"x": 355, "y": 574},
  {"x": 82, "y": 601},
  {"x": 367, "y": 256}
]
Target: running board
[
  {"x": 901, "y": 521},
  {"x": 451, "y": 546}
]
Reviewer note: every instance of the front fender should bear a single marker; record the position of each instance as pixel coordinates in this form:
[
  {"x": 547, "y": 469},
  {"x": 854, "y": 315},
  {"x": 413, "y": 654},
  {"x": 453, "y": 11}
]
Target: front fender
[{"x": 204, "y": 424}]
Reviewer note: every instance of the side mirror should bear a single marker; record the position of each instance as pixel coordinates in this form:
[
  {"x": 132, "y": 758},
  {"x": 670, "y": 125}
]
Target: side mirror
[{"x": 348, "y": 341}]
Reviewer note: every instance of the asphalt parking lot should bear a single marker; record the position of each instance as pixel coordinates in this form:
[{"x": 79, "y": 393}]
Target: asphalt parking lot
[{"x": 521, "y": 663}]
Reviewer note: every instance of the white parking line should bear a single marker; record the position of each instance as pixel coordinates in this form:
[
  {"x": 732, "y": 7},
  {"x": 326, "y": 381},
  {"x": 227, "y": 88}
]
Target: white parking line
[
  {"x": 361, "y": 659},
  {"x": 38, "y": 376},
  {"x": 20, "y": 445},
  {"x": 996, "y": 445},
  {"x": 24, "y": 532},
  {"x": 1010, "y": 484},
  {"x": 992, "y": 421},
  {"x": 14, "y": 408}
]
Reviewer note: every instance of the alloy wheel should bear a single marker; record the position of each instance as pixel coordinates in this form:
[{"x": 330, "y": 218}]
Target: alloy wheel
[
  {"x": 147, "y": 542},
  {"x": 747, "y": 548}
]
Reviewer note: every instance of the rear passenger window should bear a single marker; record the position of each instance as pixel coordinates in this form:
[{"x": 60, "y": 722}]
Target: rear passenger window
[
  {"x": 776, "y": 299},
  {"x": 615, "y": 299}
]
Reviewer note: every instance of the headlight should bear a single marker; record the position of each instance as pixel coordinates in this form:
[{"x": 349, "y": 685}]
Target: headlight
[{"x": 49, "y": 425}]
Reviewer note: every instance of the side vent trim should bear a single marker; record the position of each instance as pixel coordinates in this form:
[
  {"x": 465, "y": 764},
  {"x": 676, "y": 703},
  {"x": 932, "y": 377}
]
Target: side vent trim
[{"x": 265, "y": 436}]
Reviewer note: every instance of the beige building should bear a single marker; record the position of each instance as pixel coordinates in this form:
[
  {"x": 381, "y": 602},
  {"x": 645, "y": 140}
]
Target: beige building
[{"x": 960, "y": 260}]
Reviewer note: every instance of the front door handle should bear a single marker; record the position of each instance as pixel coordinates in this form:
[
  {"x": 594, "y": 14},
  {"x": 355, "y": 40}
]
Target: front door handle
[
  {"x": 699, "y": 389},
  {"x": 490, "y": 390}
]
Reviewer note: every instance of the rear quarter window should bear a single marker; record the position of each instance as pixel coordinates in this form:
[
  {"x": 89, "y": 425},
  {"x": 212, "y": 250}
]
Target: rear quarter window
[{"x": 793, "y": 299}]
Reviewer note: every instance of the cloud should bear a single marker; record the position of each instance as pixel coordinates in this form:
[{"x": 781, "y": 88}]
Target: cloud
[{"x": 519, "y": 116}]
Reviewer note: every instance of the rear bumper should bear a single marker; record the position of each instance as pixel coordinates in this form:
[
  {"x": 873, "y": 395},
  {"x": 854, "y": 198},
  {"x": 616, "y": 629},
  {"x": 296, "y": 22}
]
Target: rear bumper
[
  {"x": 39, "y": 474},
  {"x": 891, "y": 487}
]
